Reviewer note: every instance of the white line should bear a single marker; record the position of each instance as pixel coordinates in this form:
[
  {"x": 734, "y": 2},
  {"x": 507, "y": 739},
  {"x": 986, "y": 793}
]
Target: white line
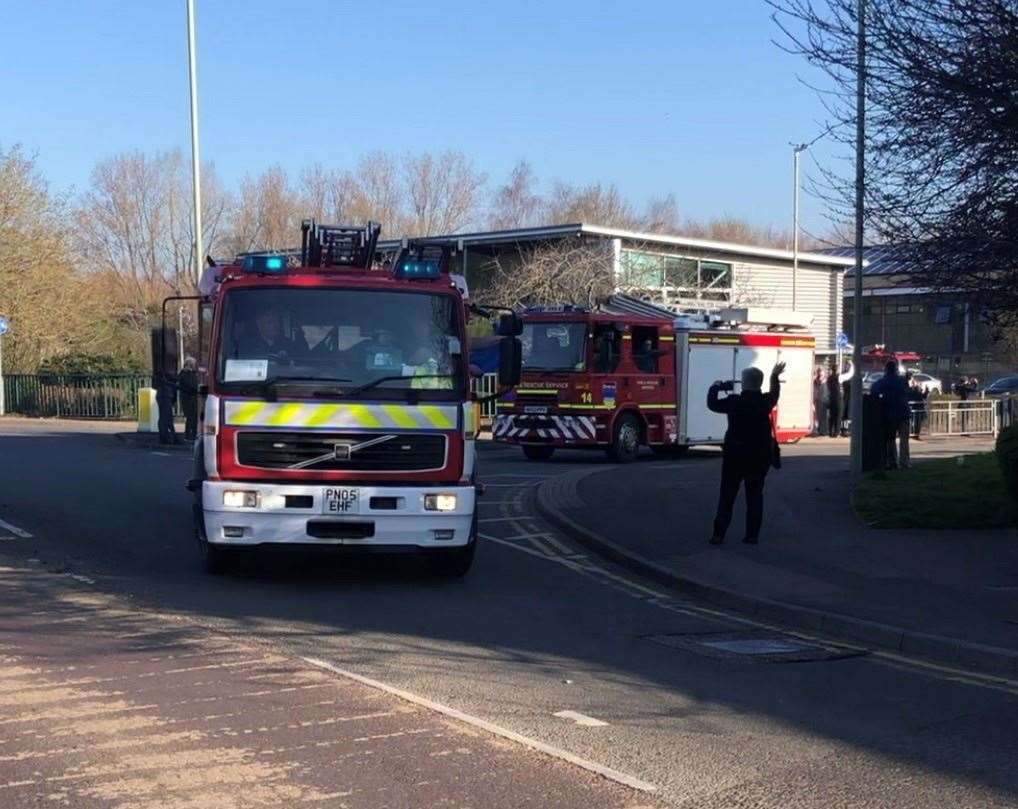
[
  {"x": 504, "y": 519},
  {"x": 561, "y": 547},
  {"x": 83, "y": 579},
  {"x": 18, "y": 532},
  {"x": 483, "y": 724},
  {"x": 581, "y": 719},
  {"x": 547, "y": 550}
]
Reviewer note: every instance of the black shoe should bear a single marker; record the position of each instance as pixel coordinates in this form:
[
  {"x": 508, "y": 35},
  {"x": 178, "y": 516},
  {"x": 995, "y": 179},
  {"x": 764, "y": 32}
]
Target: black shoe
[
  {"x": 717, "y": 540},
  {"x": 750, "y": 541}
]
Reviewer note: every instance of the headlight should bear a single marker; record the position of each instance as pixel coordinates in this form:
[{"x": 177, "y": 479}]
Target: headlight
[
  {"x": 240, "y": 499},
  {"x": 439, "y": 502}
]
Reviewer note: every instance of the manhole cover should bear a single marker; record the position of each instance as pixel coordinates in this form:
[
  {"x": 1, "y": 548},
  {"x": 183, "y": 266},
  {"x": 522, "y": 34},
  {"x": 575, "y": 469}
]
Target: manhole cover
[{"x": 766, "y": 647}]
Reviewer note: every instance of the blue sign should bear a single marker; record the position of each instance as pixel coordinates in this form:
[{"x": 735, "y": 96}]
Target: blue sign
[
  {"x": 842, "y": 340},
  {"x": 5, "y": 325}
]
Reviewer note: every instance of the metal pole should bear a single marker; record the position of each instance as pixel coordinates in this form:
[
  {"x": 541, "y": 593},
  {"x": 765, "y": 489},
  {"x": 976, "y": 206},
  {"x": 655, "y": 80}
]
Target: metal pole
[
  {"x": 795, "y": 224},
  {"x": 860, "y": 180},
  {"x": 1, "y": 375},
  {"x": 180, "y": 338},
  {"x": 195, "y": 158}
]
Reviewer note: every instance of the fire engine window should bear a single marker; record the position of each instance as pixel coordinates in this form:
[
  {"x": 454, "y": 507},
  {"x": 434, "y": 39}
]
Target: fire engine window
[
  {"x": 554, "y": 346},
  {"x": 646, "y": 351},
  {"x": 607, "y": 349},
  {"x": 391, "y": 341}
]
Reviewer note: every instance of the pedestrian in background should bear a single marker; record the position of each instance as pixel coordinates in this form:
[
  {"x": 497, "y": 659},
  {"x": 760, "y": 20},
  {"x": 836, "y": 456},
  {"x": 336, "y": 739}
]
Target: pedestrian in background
[
  {"x": 892, "y": 390},
  {"x": 749, "y": 448},
  {"x": 166, "y": 396},
  {"x": 818, "y": 401},
  {"x": 188, "y": 384},
  {"x": 833, "y": 402},
  {"x": 917, "y": 396}
]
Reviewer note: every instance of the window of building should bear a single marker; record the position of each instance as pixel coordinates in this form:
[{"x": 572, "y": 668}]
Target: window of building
[
  {"x": 677, "y": 277},
  {"x": 943, "y": 315}
]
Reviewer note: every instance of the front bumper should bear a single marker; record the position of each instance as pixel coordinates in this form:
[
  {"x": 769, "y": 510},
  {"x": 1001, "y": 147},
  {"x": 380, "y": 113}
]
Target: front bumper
[
  {"x": 552, "y": 428},
  {"x": 405, "y": 525}
]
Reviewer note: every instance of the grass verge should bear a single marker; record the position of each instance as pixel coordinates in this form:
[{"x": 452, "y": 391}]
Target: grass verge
[{"x": 963, "y": 492}]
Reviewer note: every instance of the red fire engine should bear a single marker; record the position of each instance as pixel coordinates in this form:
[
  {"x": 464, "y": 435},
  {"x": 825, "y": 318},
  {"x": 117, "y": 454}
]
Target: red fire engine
[
  {"x": 632, "y": 373},
  {"x": 337, "y": 410}
]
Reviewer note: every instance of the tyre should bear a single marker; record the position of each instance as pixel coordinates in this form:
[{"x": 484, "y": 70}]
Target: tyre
[
  {"x": 537, "y": 452},
  {"x": 214, "y": 560},
  {"x": 625, "y": 440},
  {"x": 453, "y": 564}
]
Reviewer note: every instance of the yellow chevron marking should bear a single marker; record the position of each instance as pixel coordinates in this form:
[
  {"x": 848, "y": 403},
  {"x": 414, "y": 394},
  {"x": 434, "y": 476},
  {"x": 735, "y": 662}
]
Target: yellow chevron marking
[
  {"x": 285, "y": 416},
  {"x": 247, "y": 413},
  {"x": 399, "y": 415},
  {"x": 322, "y": 415},
  {"x": 436, "y": 417},
  {"x": 364, "y": 417}
]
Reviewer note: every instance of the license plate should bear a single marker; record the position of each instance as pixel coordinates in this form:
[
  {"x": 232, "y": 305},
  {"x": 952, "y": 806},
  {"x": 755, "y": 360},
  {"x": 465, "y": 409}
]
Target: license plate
[
  {"x": 535, "y": 409},
  {"x": 341, "y": 501}
]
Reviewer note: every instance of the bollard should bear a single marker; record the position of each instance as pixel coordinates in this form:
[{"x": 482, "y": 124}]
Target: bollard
[{"x": 148, "y": 411}]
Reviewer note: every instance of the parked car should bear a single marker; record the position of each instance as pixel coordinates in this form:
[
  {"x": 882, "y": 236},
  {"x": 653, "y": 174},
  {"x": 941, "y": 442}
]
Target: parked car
[
  {"x": 929, "y": 384},
  {"x": 1005, "y": 386},
  {"x": 869, "y": 378}
]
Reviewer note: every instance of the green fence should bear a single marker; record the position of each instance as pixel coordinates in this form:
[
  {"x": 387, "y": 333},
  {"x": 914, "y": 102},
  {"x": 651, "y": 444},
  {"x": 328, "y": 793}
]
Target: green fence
[{"x": 74, "y": 396}]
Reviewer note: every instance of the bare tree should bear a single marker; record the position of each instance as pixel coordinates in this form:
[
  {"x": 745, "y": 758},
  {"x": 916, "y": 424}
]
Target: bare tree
[
  {"x": 594, "y": 203},
  {"x": 661, "y": 215},
  {"x": 269, "y": 213},
  {"x": 516, "y": 204},
  {"x": 327, "y": 195},
  {"x": 572, "y": 271},
  {"x": 729, "y": 228},
  {"x": 941, "y": 134},
  {"x": 442, "y": 191}
]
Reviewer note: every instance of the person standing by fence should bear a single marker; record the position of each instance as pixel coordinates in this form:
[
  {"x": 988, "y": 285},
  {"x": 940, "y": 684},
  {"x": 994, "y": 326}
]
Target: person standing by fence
[
  {"x": 892, "y": 391},
  {"x": 833, "y": 402},
  {"x": 917, "y": 395},
  {"x": 818, "y": 401},
  {"x": 188, "y": 384},
  {"x": 166, "y": 395}
]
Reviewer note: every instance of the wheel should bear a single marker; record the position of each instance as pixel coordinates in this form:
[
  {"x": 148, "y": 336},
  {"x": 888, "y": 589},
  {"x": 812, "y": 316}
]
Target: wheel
[
  {"x": 214, "y": 560},
  {"x": 537, "y": 452},
  {"x": 626, "y": 440},
  {"x": 455, "y": 563},
  {"x": 670, "y": 450}
]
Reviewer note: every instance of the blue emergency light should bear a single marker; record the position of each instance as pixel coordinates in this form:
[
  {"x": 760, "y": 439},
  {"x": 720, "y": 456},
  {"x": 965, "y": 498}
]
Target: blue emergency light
[
  {"x": 264, "y": 264},
  {"x": 418, "y": 268}
]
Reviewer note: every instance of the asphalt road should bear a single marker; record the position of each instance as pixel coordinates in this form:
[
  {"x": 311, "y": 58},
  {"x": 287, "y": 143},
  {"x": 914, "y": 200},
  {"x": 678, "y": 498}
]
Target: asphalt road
[{"x": 540, "y": 639}]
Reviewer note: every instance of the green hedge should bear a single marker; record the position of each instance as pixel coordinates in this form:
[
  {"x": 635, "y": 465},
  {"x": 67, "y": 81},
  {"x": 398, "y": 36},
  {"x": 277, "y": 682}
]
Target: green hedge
[{"x": 1007, "y": 455}]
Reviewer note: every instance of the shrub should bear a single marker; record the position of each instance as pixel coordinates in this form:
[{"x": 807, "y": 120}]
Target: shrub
[
  {"x": 89, "y": 364},
  {"x": 1007, "y": 455}
]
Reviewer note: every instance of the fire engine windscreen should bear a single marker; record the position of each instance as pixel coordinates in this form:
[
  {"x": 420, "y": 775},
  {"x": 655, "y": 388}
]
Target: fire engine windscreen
[
  {"x": 345, "y": 339},
  {"x": 554, "y": 346}
]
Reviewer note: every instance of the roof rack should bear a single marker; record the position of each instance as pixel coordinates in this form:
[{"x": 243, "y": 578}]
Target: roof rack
[{"x": 337, "y": 245}]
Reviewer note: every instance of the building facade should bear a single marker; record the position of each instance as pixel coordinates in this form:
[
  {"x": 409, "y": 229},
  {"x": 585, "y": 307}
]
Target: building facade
[{"x": 675, "y": 270}]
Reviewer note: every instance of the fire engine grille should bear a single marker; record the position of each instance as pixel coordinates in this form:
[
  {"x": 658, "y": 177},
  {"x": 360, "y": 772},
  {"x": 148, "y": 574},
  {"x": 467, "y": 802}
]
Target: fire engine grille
[{"x": 340, "y": 451}]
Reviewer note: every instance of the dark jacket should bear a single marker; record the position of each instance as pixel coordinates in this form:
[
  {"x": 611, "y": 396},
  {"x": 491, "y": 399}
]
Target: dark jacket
[
  {"x": 749, "y": 439},
  {"x": 187, "y": 381},
  {"x": 892, "y": 390}
]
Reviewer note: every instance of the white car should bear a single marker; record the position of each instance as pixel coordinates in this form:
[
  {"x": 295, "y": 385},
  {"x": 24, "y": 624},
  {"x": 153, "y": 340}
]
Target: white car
[{"x": 929, "y": 384}]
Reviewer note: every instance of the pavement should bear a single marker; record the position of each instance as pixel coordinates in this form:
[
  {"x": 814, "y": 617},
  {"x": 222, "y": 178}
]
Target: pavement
[
  {"x": 570, "y": 681},
  {"x": 946, "y": 595}
]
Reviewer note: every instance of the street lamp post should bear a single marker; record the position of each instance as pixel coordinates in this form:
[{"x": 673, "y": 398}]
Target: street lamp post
[
  {"x": 796, "y": 151},
  {"x": 195, "y": 158},
  {"x": 860, "y": 180}
]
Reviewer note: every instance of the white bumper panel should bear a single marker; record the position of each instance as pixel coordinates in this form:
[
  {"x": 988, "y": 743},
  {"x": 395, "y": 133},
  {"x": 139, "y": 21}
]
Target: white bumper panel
[{"x": 406, "y": 525}]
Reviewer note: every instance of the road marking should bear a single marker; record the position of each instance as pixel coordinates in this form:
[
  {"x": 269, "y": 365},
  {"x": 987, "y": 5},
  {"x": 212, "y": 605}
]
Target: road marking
[
  {"x": 600, "y": 769},
  {"x": 581, "y": 719},
  {"x": 18, "y": 532},
  {"x": 162, "y": 454},
  {"x": 504, "y": 519},
  {"x": 82, "y": 579}
]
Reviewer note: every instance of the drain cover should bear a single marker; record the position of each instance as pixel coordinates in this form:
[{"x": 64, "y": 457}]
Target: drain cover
[{"x": 759, "y": 646}]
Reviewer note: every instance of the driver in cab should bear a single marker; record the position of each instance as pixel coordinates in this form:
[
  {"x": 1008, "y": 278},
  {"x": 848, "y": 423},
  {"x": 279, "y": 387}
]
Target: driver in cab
[{"x": 267, "y": 339}]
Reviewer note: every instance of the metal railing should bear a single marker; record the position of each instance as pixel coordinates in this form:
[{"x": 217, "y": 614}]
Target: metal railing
[
  {"x": 971, "y": 417},
  {"x": 74, "y": 396}
]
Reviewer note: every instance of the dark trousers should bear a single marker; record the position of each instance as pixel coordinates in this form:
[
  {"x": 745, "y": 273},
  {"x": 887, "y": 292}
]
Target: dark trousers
[
  {"x": 164, "y": 400},
  {"x": 733, "y": 475},
  {"x": 833, "y": 420},
  {"x": 190, "y": 419}
]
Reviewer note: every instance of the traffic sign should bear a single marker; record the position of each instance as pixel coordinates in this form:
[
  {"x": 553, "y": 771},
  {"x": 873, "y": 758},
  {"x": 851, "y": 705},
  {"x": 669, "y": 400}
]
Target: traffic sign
[
  {"x": 842, "y": 340},
  {"x": 5, "y": 325}
]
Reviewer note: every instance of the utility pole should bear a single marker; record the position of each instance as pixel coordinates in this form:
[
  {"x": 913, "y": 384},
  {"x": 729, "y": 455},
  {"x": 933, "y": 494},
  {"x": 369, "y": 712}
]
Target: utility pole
[
  {"x": 199, "y": 253},
  {"x": 796, "y": 151},
  {"x": 860, "y": 185}
]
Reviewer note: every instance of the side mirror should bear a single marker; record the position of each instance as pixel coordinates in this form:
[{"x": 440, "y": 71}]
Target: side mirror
[
  {"x": 509, "y": 325},
  {"x": 510, "y": 362}
]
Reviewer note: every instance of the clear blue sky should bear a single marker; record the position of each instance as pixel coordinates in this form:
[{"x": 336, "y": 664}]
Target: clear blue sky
[{"x": 663, "y": 96}]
